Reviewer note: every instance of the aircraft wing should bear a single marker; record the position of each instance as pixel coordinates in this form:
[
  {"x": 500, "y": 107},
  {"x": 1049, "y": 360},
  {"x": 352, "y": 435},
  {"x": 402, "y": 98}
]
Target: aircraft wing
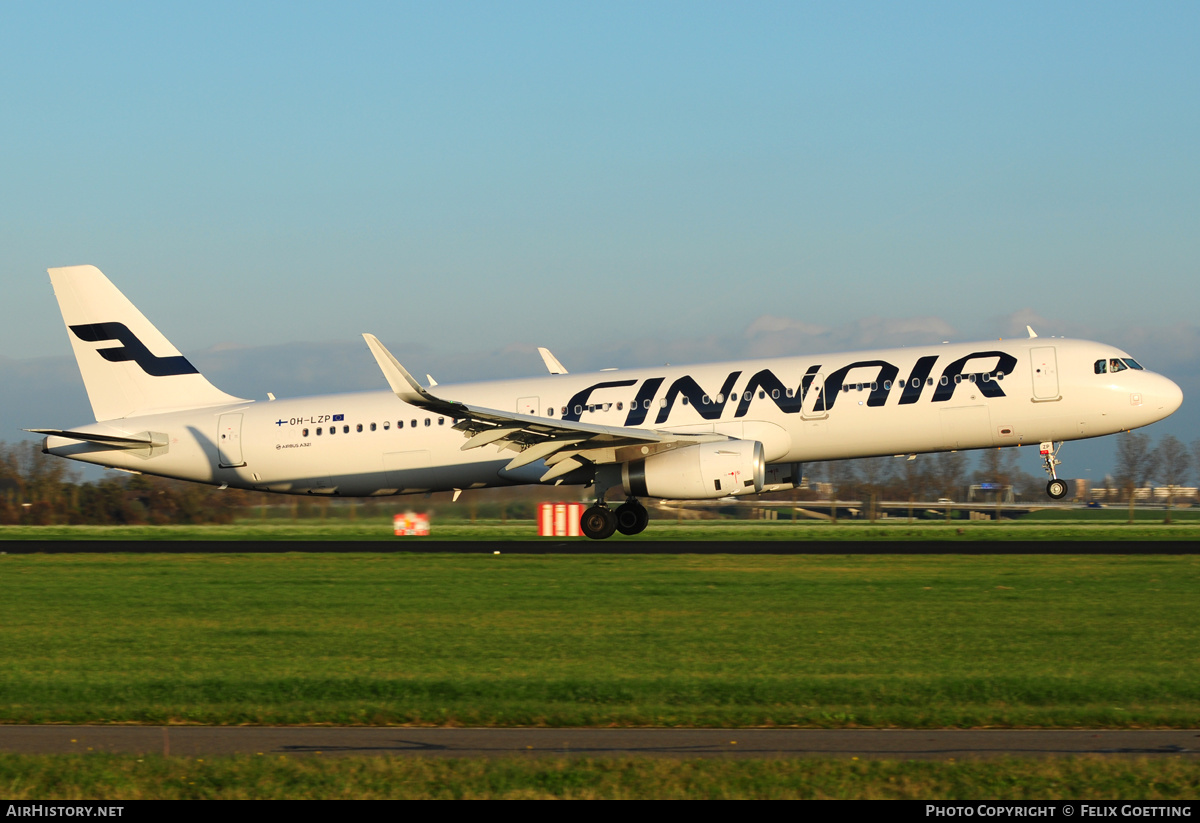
[{"x": 564, "y": 445}]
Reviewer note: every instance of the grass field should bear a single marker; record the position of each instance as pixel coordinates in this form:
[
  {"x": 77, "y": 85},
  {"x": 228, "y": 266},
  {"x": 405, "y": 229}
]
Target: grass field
[
  {"x": 833, "y": 641},
  {"x": 127, "y": 777},
  {"x": 1086, "y": 526}
]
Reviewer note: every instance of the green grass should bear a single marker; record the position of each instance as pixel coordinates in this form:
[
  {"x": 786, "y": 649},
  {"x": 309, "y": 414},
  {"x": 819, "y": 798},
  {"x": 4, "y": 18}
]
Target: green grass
[
  {"x": 380, "y": 529},
  {"x": 1114, "y": 513},
  {"x": 834, "y": 641},
  {"x": 128, "y": 777}
]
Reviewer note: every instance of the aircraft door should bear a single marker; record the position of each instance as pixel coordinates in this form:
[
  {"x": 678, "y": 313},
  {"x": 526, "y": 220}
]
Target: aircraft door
[
  {"x": 812, "y": 407},
  {"x": 1044, "y": 366},
  {"x": 229, "y": 441},
  {"x": 529, "y": 405}
]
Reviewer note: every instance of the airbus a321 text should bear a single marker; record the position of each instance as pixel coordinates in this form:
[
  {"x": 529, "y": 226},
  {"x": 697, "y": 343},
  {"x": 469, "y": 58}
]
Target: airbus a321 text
[{"x": 688, "y": 432}]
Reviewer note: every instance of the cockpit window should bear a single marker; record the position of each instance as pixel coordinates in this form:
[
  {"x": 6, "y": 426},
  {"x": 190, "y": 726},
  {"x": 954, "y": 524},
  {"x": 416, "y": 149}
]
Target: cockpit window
[
  {"x": 1116, "y": 364},
  {"x": 1133, "y": 364},
  {"x": 1101, "y": 366}
]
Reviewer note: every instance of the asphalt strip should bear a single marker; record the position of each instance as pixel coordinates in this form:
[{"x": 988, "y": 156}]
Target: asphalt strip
[
  {"x": 889, "y": 744},
  {"x": 612, "y": 546}
]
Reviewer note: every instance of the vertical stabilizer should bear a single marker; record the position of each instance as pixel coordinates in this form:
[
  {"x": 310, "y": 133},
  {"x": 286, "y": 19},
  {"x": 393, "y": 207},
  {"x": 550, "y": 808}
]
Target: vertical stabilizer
[{"x": 128, "y": 367}]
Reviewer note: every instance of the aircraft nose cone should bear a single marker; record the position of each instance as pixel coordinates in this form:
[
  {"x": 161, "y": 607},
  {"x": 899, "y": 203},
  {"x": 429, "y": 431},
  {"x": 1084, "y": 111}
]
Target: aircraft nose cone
[{"x": 1168, "y": 397}]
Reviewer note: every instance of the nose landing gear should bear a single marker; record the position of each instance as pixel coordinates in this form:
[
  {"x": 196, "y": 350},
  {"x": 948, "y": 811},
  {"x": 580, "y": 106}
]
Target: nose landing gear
[{"x": 1056, "y": 489}]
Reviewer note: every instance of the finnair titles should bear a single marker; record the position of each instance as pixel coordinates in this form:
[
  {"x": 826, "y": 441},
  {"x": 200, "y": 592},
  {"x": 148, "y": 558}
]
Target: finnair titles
[{"x": 693, "y": 432}]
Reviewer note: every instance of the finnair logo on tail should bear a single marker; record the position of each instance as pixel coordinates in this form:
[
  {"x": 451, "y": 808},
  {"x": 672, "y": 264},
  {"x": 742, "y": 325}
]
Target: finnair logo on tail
[{"x": 131, "y": 349}]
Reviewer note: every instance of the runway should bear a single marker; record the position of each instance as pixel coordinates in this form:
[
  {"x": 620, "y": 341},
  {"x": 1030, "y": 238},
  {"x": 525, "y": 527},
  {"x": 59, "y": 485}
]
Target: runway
[
  {"x": 612, "y": 546},
  {"x": 890, "y": 744}
]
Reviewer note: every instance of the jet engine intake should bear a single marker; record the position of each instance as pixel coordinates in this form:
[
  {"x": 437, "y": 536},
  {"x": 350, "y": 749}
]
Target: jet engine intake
[{"x": 705, "y": 471}]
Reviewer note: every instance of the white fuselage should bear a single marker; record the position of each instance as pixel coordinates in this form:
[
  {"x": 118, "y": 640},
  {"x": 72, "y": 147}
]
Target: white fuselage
[{"x": 822, "y": 407}]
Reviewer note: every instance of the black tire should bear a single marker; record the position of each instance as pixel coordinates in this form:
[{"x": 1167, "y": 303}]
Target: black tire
[
  {"x": 1057, "y": 489},
  {"x": 598, "y": 523},
  {"x": 632, "y": 518}
]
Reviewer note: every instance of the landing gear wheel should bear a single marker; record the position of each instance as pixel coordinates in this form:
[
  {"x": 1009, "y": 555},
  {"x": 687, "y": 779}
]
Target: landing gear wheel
[
  {"x": 632, "y": 517},
  {"x": 598, "y": 523},
  {"x": 1057, "y": 489}
]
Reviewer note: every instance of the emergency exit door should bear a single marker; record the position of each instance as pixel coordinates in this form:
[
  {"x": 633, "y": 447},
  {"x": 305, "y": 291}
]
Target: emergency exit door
[{"x": 229, "y": 441}]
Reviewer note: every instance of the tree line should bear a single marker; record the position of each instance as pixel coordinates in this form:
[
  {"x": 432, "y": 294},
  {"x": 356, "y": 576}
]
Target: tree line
[{"x": 37, "y": 489}]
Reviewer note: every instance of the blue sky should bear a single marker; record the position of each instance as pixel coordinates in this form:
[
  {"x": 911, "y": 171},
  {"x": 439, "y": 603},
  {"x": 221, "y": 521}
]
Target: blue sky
[{"x": 621, "y": 182}]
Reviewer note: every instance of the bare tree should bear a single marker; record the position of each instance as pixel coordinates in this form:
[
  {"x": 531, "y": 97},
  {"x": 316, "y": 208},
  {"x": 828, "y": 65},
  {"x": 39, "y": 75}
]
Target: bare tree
[
  {"x": 1135, "y": 464},
  {"x": 1174, "y": 465},
  {"x": 1196, "y": 455},
  {"x": 1135, "y": 461},
  {"x": 842, "y": 476},
  {"x": 950, "y": 471}
]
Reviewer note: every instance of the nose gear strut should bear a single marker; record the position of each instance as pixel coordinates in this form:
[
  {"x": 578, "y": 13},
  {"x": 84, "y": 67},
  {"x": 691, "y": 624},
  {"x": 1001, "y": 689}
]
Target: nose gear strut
[{"x": 1057, "y": 489}]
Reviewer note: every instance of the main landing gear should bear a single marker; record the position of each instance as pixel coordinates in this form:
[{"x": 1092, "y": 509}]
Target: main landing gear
[
  {"x": 599, "y": 522},
  {"x": 1057, "y": 489}
]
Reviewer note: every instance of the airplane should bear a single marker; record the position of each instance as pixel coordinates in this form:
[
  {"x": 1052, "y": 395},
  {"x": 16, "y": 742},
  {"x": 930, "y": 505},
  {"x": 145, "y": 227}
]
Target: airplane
[{"x": 679, "y": 432}]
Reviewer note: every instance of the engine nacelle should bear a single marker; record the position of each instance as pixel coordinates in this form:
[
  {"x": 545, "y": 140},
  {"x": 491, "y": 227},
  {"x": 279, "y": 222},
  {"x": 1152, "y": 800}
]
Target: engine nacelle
[
  {"x": 702, "y": 472},
  {"x": 782, "y": 477}
]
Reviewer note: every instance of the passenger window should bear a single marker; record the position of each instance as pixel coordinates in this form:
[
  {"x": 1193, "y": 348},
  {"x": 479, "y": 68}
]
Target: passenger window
[
  {"x": 427, "y": 422},
  {"x": 1101, "y": 366},
  {"x": 761, "y": 394},
  {"x": 662, "y": 402},
  {"x": 346, "y": 429},
  {"x": 874, "y": 386},
  {"x": 550, "y": 412},
  {"x": 399, "y": 424},
  {"x": 358, "y": 427},
  {"x": 318, "y": 431},
  {"x": 647, "y": 403},
  {"x": 945, "y": 380},
  {"x": 720, "y": 398},
  {"x": 306, "y": 432},
  {"x": 957, "y": 379},
  {"x": 412, "y": 423},
  {"x": 775, "y": 394},
  {"x": 928, "y": 381},
  {"x": 579, "y": 409},
  {"x": 620, "y": 405},
  {"x": 564, "y": 411},
  {"x": 441, "y": 421},
  {"x": 971, "y": 377},
  {"x": 887, "y": 385},
  {"x": 372, "y": 427},
  {"x": 790, "y": 392},
  {"x": 705, "y": 399},
  {"x": 916, "y": 382},
  {"x": 387, "y": 425}
]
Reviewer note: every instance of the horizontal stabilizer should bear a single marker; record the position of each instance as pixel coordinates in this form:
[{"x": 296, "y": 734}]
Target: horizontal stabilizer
[{"x": 124, "y": 441}]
